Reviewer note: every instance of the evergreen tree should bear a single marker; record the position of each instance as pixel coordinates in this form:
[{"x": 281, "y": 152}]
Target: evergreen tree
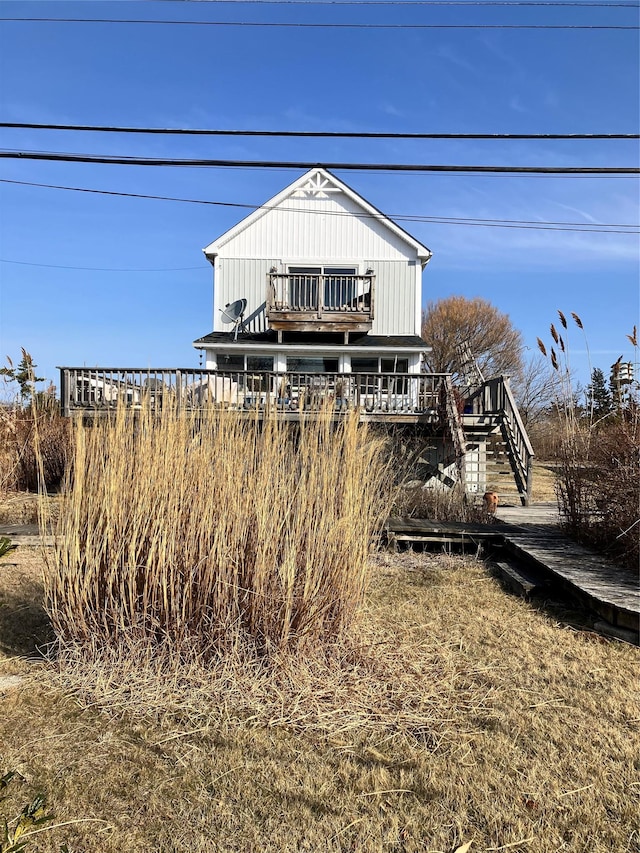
[
  {"x": 24, "y": 374},
  {"x": 599, "y": 398}
]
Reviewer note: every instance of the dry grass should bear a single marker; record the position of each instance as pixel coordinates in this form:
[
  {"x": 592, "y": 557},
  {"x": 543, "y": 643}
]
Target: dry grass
[
  {"x": 599, "y": 489},
  {"x": 194, "y": 532},
  {"x": 20, "y": 469},
  {"x": 545, "y": 478},
  {"x": 455, "y": 714}
]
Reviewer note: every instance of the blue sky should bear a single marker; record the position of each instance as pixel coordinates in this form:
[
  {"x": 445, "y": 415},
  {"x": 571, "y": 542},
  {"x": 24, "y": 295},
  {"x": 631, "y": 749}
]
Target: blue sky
[{"x": 145, "y": 291}]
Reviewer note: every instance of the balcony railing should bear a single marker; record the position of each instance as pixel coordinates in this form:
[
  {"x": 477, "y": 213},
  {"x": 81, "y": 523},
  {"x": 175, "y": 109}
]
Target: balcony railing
[
  {"x": 317, "y": 301},
  {"x": 99, "y": 390}
]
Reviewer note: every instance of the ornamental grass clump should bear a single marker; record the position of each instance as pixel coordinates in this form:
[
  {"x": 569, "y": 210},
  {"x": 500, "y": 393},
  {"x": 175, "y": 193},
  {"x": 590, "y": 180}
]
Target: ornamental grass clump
[{"x": 198, "y": 531}]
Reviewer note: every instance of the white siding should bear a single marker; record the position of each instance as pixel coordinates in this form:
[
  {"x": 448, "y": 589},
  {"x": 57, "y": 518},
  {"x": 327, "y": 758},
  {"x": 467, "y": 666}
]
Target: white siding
[
  {"x": 241, "y": 279},
  {"x": 323, "y": 228},
  {"x": 394, "y": 304},
  {"x": 327, "y": 229}
]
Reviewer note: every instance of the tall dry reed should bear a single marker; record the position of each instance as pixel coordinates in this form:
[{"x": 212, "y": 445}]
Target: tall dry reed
[
  {"x": 196, "y": 530},
  {"x": 599, "y": 458}
]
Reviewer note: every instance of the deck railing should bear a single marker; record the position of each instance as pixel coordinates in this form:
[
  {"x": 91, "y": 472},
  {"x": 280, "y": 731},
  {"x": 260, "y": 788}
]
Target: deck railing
[
  {"x": 97, "y": 390},
  {"x": 320, "y": 294}
]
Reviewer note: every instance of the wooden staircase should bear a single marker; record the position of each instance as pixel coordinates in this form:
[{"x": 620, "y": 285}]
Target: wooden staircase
[{"x": 498, "y": 453}]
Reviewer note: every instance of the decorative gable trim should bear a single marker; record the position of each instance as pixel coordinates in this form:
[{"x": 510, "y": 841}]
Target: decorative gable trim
[{"x": 316, "y": 183}]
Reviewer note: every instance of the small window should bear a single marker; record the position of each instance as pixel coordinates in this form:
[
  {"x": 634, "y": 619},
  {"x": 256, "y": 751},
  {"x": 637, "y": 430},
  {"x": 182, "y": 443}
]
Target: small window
[
  {"x": 394, "y": 365},
  {"x": 258, "y": 368},
  {"x": 230, "y": 362},
  {"x": 303, "y": 287},
  {"x": 262, "y": 363},
  {"x": 340, "y": 289}
]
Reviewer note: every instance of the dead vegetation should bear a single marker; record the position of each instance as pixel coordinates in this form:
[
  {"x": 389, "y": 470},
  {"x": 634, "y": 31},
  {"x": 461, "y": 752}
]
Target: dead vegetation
[
  {"x": 598, "y": 457},
  {"x": 19, "y": 466},
  {"x": 195, "y": 532},
  {"x": 453, "y": 714}
]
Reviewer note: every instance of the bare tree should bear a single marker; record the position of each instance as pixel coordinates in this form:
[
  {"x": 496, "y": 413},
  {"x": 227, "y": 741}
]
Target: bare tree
[
  {"x": 455, "y": 322},
  {"x": 537, "y": 390}
]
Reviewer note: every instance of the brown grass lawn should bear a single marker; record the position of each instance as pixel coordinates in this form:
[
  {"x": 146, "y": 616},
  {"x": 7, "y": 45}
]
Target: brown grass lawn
[
  {"x": 456, "y": 714},
  {"x": 544, "y": 480}
]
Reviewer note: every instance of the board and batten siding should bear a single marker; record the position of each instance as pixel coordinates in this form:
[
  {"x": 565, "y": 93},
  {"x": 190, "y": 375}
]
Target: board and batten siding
[
  {"x": 319, "y": 231},
  {"x": 395, "y": 291}
]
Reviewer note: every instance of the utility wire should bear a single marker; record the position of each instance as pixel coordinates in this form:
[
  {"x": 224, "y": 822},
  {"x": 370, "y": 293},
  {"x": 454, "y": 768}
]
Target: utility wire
[
  {"x": 315, "y": 25},
  {"x": 96, "y": 269},
  {"x": 284, "y": 164},
  {"x": 599, "y": 227},
  {"x": 323, "y": 134},
  {"x": 410, "y": 3}
]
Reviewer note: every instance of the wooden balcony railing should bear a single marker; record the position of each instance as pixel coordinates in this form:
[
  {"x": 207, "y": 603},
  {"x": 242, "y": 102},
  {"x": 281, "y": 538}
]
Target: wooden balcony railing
[
  {"x": 310, "y": 301},
  {"x": 94, "y": 391}
]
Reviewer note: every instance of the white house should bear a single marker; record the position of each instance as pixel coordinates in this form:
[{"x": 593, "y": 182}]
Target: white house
[
  {"x": 331, "y": 286},
  {"x": 317, "y": 300}
]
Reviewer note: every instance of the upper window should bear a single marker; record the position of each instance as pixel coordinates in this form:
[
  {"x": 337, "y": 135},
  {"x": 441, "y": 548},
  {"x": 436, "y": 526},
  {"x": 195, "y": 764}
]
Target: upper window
[
  {"x": 303, "y": 287},
  {"x": 339, "y": 287}
]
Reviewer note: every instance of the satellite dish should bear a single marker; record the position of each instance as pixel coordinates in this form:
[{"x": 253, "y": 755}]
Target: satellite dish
[{"x": 233, "y": 312}]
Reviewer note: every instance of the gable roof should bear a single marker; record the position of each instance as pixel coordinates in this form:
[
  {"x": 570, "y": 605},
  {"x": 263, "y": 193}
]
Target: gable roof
[{"x": 320, "y": 182}]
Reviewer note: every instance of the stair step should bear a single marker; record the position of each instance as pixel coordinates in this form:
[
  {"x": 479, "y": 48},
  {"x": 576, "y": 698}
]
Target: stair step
[{"x": 517, "y": 579}]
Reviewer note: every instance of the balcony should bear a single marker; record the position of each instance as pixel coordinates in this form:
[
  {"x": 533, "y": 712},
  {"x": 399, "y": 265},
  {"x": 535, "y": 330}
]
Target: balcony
[{"x": 320, "y": 299}]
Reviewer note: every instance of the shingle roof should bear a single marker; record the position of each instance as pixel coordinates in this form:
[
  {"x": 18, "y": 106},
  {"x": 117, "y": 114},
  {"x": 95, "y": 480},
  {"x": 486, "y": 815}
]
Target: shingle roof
[{"x": 312, "y": 338}]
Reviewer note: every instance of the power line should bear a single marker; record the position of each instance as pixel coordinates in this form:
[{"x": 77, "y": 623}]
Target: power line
[
  {"x": 284, "y": 164},
  {"x": 96, "y": 269},
  {"x": 584, "y": 5},
  {"x": 323, "y": 134},
  {"x": 601, "y": 227},
  {"x": 316, "y": 25}
]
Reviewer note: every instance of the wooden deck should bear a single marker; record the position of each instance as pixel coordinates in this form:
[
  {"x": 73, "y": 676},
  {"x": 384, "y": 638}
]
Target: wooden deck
[{"x": 532, "y": 535}]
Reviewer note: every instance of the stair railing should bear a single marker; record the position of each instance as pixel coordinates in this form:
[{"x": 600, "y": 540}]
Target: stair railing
[
  {"x": 495, "y": 397},
  {"x": 521, "y": 450},
  {"x": 455, "y": 427}
]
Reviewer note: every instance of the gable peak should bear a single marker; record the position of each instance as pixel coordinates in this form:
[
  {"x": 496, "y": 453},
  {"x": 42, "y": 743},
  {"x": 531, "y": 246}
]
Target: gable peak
[{"x": 316, "y": 185}]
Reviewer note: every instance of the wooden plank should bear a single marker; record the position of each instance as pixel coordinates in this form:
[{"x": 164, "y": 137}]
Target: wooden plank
[
  {"x": 517, "y": 580},
  {"x": 608, "y": 589},
  {"x": 428, "y": 526}
]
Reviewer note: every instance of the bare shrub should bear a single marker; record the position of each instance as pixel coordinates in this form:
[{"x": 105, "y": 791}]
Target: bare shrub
[
  {"x": 197, "y": 532},
  {"x": 599, "y": 491},
  {"x": 546, "y": 437},
  {"x": 438, "y": 503},
  {"x": 598, "y": 483},
  {"x": 22, "y": 430}
]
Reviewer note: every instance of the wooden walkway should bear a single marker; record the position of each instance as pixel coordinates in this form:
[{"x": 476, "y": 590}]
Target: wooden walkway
[{"x": 532, "y": 536}]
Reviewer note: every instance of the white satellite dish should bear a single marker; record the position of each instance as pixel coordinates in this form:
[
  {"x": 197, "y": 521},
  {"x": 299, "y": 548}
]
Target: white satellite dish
[{"x": 233, "y": 312}]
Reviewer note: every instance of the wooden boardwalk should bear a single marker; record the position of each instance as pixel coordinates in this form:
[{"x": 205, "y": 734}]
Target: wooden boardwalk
[{"x": 532, "y": 536}]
